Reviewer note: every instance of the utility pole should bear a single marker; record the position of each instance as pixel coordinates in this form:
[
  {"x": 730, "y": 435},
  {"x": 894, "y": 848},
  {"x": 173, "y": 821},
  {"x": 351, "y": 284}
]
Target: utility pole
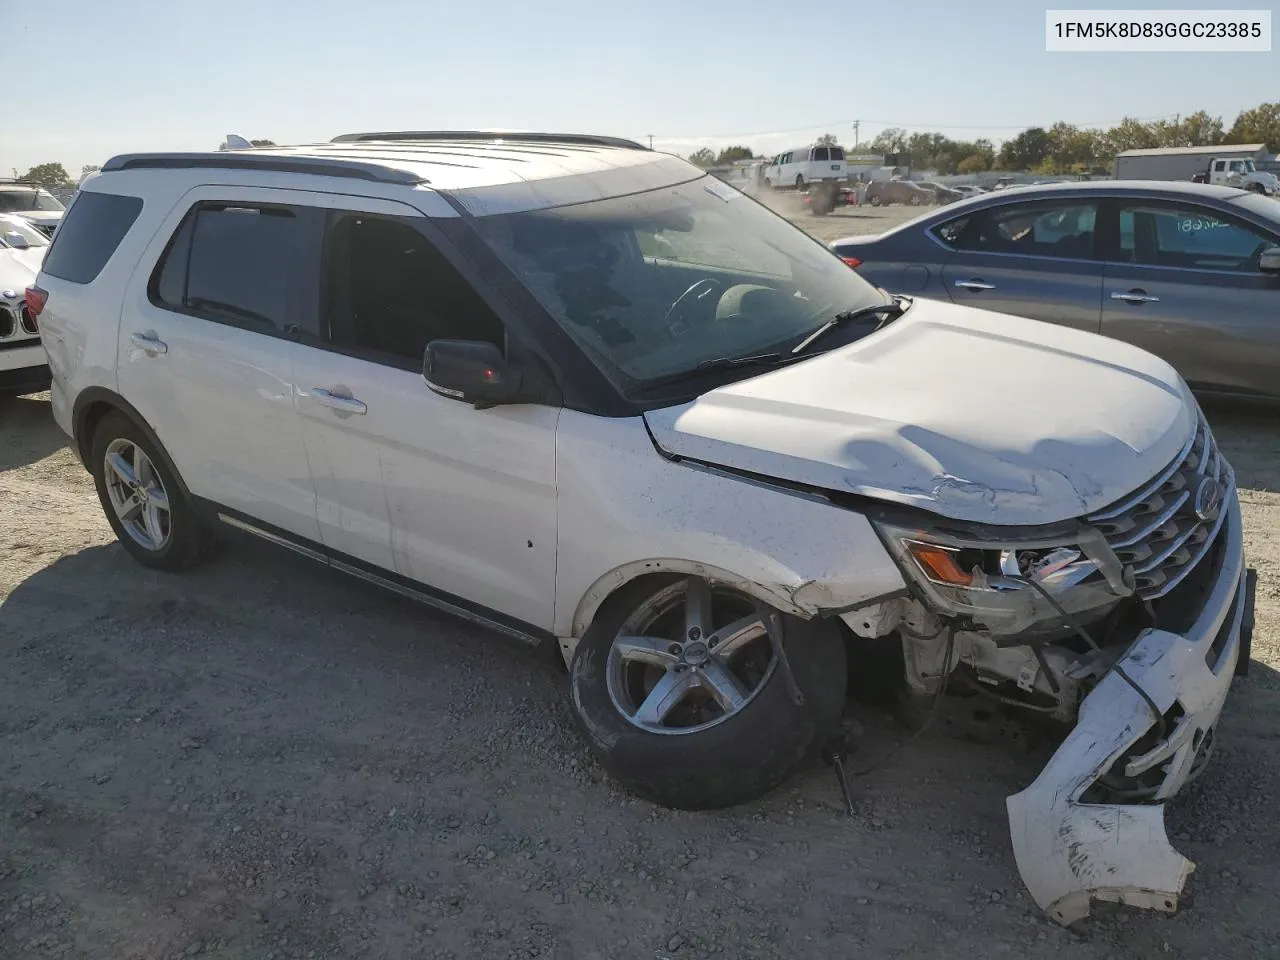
[
  {"x": 651, "y": 141},
  {"x": 855, "y": 135}
]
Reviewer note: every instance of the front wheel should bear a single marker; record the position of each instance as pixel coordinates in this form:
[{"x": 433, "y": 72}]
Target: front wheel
[{"x": 683, "y": 700}]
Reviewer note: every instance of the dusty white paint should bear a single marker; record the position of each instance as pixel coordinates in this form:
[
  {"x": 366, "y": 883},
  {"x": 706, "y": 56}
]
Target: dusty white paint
[
  {"x": 1070, "y": 852},
  {"x": 969, "y": 414}
]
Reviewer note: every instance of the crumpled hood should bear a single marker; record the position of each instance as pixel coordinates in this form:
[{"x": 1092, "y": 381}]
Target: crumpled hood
[{"x": 970, "y": 414}]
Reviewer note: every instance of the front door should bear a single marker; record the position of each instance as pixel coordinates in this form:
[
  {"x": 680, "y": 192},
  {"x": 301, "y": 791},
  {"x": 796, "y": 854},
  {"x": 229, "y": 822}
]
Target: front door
[
  {"x": 413, "y": 486},
  {"x": 1183, "y": 282},
  {"x": 1034, "y": 259},
  {"x": 205, "y": 351}
]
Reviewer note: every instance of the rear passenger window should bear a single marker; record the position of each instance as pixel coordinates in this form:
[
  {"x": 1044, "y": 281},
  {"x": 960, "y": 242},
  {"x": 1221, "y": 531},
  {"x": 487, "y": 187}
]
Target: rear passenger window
[
  {"x": 389, "y": 292},
  {"x": 89, "y": 234},
  {"x": 1043, "y": 229},
  {"x": 242, "y": 265}
]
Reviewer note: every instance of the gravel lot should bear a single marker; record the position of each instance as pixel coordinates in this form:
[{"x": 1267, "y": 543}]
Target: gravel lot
[{"x": 264, "y": 759}]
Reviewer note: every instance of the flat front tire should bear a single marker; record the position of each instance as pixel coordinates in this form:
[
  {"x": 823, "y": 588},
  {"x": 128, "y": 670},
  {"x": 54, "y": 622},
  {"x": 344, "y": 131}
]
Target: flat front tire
[
  {"x": 146, "y": 505},
  {"x": 683, "y": 701}
]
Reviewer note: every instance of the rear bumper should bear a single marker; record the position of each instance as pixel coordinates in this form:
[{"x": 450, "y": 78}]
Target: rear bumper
[{"x": 1070, "y": 852}]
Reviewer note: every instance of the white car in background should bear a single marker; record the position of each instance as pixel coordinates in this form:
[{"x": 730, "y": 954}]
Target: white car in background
[
  {"x": 33, "y": 203},
  {"x": 23, "y": 365}
]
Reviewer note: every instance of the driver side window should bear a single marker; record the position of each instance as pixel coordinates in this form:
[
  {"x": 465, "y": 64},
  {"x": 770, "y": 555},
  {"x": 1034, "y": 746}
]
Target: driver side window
[
  {"x": 1188, "y": 237},
  {"x": 389, "y": 291}
]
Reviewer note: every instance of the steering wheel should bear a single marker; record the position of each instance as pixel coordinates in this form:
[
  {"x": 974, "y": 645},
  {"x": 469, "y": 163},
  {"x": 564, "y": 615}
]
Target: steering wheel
[{"x": 698, "y": 292}]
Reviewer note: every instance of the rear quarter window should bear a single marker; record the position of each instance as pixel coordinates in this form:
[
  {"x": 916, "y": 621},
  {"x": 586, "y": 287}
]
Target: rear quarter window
[{"x": 89, "y": 234}]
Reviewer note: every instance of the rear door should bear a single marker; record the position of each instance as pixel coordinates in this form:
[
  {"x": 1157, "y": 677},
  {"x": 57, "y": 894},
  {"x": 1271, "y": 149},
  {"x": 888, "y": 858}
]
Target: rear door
[
  {"x": 1182, "y": 281},
  {"x": 206, "y": 347},
  {"x": 1034, "y": 259}
]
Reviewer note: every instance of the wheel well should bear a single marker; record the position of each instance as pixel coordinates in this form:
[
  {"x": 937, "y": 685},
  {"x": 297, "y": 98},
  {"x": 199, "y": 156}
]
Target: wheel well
[
  {"x": 86, "y": 423},
  {"x": 94, "y": 404}
]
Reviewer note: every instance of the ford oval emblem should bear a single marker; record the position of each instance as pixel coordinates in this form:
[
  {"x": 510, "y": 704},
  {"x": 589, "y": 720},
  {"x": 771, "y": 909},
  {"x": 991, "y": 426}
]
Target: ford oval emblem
[{"x": 1208, "y": 499}]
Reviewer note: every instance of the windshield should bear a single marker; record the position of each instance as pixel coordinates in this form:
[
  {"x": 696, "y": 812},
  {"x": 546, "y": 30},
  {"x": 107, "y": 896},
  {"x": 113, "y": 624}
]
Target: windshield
[
  {"x": 12, "y": 225},
  {"x": 658, "y": 283},
  {"x": 21, "y": 199}
]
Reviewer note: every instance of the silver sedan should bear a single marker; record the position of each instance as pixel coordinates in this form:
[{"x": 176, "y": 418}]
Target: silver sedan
[{"x": 1187, "y": 271}]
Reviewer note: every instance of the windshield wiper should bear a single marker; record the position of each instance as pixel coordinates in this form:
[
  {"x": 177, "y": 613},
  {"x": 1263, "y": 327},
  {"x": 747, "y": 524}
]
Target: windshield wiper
[
  {"x": 896, "y": 307},
  {"x": 714, "y": 365}
]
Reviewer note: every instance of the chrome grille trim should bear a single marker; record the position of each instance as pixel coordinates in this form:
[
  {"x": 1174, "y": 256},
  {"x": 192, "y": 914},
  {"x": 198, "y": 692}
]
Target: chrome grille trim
[
  {"x": 1154, "y": 485},
  {"x": 1155, "y": 532}
]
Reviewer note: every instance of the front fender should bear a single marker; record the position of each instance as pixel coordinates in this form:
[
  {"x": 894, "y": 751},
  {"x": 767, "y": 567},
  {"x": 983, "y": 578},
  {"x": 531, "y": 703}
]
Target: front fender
[{"x": 626, "y": 511}]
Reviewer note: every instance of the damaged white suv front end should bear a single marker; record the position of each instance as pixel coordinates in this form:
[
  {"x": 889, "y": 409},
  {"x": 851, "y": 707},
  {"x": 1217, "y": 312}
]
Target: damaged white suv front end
[
  {"x": 1076, "y": 556},
  {"x": 1129, "y": 620}
]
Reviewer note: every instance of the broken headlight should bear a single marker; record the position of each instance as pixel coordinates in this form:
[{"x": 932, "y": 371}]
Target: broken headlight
[{"x": 984, "y": 581}]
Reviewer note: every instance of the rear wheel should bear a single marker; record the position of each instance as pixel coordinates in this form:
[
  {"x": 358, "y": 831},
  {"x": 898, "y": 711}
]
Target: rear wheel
[
  {"x": 683, "y": 700},
  {"x": 149, "y": 510}
]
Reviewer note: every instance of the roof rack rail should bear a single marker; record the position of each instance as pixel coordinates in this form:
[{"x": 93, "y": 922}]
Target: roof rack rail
[
  {"x": 577, "y": 139},
  {"x": 350, "y": 169}
]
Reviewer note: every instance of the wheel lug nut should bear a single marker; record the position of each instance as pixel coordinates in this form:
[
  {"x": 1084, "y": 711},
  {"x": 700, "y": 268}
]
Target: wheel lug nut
[
  {"x": 694, "y": 633},
  {"x": 674, "y": 649}
]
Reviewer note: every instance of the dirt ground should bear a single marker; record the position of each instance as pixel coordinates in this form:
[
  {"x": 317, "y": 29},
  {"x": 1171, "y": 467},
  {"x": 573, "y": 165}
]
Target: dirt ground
[{"x": 262, "y": 759}]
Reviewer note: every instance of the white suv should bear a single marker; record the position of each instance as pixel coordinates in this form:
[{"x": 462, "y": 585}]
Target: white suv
[
  {"x": 23, "y": 366},
  {"x": 584, "y": 394}
]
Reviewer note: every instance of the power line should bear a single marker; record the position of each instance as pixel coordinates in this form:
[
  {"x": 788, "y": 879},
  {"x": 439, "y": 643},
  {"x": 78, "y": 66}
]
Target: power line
[{"x": 905, "y": 124}]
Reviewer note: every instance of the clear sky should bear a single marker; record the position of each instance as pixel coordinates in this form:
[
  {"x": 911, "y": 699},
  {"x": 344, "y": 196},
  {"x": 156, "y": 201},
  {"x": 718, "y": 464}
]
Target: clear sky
[{"x": 128, "y": 75}]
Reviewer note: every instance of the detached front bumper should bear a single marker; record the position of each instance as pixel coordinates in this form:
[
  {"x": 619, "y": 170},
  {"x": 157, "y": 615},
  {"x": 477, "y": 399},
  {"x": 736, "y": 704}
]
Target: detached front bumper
[{"x": 1070, "y": 852}]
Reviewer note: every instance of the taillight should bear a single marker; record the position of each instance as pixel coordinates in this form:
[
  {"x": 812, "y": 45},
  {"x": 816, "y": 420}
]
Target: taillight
[
  {"x": 36, "y": 299},
  {"x": 852, "y": 262}
]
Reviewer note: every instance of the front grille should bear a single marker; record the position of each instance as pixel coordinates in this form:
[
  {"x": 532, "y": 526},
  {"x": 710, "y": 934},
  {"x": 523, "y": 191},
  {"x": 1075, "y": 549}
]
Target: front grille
[
  {"x": 29, "y": 319},
  {"x": 6, "y": 322},
  {"x": 1163, "y": 530}
]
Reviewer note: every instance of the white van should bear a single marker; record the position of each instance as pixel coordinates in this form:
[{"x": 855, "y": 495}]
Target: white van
[{"x": 806, "y": 164}]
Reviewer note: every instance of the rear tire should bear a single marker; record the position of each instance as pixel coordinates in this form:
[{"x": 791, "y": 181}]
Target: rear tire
[
  {"x": 145, "y": 503},
  {"x": 730, "y": 750}
]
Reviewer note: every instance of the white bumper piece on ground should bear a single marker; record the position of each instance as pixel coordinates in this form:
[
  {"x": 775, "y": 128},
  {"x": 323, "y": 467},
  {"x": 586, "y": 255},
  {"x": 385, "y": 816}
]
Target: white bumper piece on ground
[{"x": 1070, "y": 852}]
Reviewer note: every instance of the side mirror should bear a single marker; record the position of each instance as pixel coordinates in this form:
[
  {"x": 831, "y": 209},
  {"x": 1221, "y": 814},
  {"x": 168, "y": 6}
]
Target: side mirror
[
  {"x": 472, "y": 371},
  {"x": 1269, "y": 262},
  {"x": 16, "y": 240}
]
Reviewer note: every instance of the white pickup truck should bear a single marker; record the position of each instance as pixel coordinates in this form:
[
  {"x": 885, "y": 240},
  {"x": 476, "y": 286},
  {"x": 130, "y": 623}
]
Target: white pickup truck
[
  {"x": 1198, "y": 165},
  {"x": 1240, "y": 173}
]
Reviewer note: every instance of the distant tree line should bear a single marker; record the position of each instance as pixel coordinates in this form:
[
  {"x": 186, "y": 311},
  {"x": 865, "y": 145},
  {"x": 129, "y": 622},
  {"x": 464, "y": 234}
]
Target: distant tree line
[{"x": 1060, "y": 148}]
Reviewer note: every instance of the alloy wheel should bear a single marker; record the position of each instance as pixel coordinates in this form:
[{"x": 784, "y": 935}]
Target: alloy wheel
[
  {"x": 137, "y": 495},
  {"x": 690, "y": 657}
]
